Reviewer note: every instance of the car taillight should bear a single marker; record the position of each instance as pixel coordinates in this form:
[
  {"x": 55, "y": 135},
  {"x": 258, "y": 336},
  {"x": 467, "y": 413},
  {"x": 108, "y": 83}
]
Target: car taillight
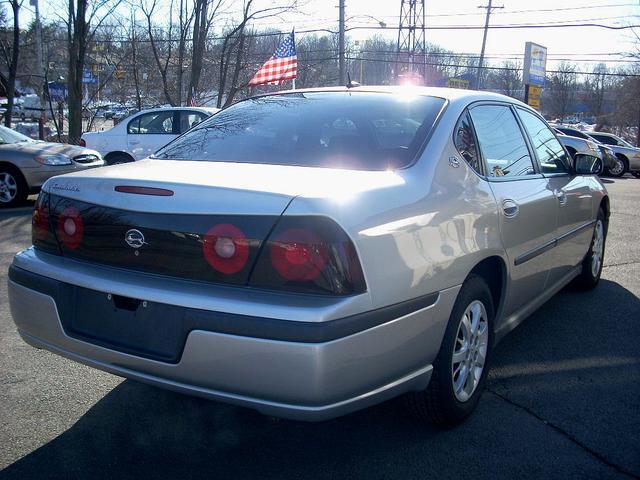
[
  {"x": 70, "y": 228},
  {"x": 298, "y": 255},
  {"x": 83, "y": 143},
  {"x": 226, "y": 248},
  {"x": 311, "y": 255},
  {"x": 42, "y": 235},
  {"x": 40, "y": 222}
]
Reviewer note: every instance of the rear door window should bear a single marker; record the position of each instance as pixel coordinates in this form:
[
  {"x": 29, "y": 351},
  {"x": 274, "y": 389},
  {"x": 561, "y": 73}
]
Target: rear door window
[
  {"x": 501, "y": 141},
  {"x": 152, "y": 123},
  {"x": 551, "y": 155}
]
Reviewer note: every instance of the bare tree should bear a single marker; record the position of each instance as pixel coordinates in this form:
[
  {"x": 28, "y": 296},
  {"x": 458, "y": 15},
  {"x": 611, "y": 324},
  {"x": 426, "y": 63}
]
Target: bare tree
[
  {"x": 204, "y": 13},
  {"x": 596, "y": 87},
  {"x": 561, "y": 90},
  {"x": 162, "y": 45},
  {"x": 83, "y": 19},
  {"x": 234, "y": 52},
  {"x": 507, "y": 79},
  {"x": 11, "y": 54}
]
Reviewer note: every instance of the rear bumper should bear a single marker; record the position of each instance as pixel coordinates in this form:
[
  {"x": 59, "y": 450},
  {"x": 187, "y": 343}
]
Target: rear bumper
[{"x": 302, "y": 379}]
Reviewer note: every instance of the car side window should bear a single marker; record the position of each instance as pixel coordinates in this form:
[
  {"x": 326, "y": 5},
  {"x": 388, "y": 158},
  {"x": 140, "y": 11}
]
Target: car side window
[
  {"x": 190, "y": 119},
  {"x": 501, "y": 141},
  {"x": 551, "y": 155},
  {"x": 465, "y": 142},
  {"x": 606, "y": 140},
  {"x": 152, "y": 123}
]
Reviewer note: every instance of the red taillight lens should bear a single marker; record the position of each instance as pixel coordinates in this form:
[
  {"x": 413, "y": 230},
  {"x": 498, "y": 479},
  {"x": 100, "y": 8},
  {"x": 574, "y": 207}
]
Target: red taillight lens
[
  {"x": 310, "y": 255},
  {"x": 40, "y": 222},
  {"x": 83, "y": 143},
  {"x": 41, "y": 233},
  {"x": 226, "y": 248},
  {"x": 70, "y": 228},
  {"x": 299, "y": 255}
]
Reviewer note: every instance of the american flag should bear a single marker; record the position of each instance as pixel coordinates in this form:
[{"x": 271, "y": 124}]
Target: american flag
[{"x": 283, "y": 65}]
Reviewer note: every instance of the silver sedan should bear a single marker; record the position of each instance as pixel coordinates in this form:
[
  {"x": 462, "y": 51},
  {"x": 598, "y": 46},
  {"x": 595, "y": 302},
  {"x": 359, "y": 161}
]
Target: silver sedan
[
  {"x": 313, "y": 252},
  {"x": 25, "y": 164}
]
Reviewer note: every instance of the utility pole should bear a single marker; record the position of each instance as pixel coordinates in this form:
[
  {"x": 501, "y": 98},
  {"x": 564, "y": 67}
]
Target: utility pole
[
  {"x": 341, "y": 65},
  {"x": 489, "y": 7},
  {"x": 39, "y": 60}
]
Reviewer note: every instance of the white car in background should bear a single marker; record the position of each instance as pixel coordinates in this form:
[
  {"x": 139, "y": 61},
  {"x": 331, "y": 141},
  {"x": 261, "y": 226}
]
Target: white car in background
[{"x": 140, "y": 135}]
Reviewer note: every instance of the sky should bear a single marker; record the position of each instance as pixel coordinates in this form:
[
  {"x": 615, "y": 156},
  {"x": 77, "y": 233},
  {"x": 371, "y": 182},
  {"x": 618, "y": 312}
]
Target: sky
[
  {"x": 585, "y": 45},
  {"x": 575, "y": 43}
]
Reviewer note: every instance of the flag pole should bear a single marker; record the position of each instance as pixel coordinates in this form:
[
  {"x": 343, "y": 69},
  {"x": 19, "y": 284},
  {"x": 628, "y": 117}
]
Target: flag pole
[{"x": 293, "y": 33}]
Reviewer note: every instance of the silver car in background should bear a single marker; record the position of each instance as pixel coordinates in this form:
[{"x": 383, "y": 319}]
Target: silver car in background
[
  {"x": 580, "y": 146},
  {"x": 25, "y": 164},
  {"x": 310, "y": 253},
  {"x": 614, "y": 164},
  {"x": 626, "y": 153}
]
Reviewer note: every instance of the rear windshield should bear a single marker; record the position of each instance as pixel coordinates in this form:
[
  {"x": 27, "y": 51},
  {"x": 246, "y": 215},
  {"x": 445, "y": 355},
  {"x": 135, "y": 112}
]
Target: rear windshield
[{"x": 354, "y": 130}]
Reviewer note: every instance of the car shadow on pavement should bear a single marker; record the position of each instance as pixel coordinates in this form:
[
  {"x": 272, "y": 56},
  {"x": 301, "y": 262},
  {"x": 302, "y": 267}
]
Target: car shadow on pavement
[{"x": 567, "y": 363}]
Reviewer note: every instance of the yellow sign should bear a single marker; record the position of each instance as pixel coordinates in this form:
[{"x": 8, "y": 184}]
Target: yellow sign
[
  {"x": 458, "y": 83},
  {"x": 535, "y": 91},
  {"x": 535, "y": 103}
]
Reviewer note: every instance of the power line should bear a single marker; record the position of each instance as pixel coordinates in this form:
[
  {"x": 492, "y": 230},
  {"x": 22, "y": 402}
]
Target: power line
[{"x": 609, "y": 74}]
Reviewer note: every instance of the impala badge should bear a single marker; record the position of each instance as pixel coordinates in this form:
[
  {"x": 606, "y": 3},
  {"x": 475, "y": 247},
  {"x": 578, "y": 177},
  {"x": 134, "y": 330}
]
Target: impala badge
[{"x": 134, "y": 238}]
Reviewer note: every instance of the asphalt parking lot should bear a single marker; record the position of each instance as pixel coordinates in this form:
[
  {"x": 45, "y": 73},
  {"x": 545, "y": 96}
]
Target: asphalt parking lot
[{"x": 562, "y": 402}]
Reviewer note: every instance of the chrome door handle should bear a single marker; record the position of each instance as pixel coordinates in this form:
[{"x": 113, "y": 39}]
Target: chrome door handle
[
  {"x": 561, "y": 196},
  {"x": 510, "y": 208}
]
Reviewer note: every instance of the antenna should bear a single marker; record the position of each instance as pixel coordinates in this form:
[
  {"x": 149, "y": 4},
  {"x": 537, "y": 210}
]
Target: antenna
[{"x": 351, "y": 83}]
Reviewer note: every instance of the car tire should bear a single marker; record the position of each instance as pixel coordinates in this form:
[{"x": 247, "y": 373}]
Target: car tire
[
  {"x": 13, "y": 187},
  {"x": 619, "y": 169},
  {"x": 118, "y": 159},
  {"x": 449, "y": 398},
  {"x": 594, "y": 259}
]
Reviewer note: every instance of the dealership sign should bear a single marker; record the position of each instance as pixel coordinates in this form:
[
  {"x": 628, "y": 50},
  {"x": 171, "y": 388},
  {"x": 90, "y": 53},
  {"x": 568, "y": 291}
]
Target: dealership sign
[{"x": 535, "y": 63}]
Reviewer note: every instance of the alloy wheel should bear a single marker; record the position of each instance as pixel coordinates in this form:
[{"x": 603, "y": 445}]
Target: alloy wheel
[
  {"x": 617, "y": 168},
  {"x": 597, "y": 248},
  {"x": 8, "y": 187},
  {"x": 470, "y": 351}
]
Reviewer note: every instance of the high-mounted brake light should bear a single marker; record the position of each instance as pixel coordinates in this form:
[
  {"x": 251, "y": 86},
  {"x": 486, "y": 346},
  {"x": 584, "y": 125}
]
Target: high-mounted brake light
[
  {"x": 226, "y": 248},
  {"x": 138, "y": 190},
  {"x": 70, "y": 228}
]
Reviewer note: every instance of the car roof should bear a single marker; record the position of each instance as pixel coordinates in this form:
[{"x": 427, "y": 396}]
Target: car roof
[
  {"x": 209, "y": 110},
  {"x": 453, "y": 95}
]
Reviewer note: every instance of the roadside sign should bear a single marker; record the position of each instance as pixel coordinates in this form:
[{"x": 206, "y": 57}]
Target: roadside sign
[
  {"x": 57, "y": 91},
  {"x": 535, "y": 64},
  {"x": 534, "y": 103},
  {"x": 87, "y": 77},
  {"x": 458, "y": 83}
]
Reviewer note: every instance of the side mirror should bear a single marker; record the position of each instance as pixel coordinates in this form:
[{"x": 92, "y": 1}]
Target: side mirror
[{"x": 588, "y": 165}]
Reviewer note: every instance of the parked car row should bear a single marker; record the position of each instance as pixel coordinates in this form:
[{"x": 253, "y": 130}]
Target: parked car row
[{"x": 619, "y": 156}]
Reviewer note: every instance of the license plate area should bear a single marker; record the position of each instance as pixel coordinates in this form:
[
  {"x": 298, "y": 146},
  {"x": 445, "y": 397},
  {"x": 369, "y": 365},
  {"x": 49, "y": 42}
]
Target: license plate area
[{"x": 130, "y": 325}]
